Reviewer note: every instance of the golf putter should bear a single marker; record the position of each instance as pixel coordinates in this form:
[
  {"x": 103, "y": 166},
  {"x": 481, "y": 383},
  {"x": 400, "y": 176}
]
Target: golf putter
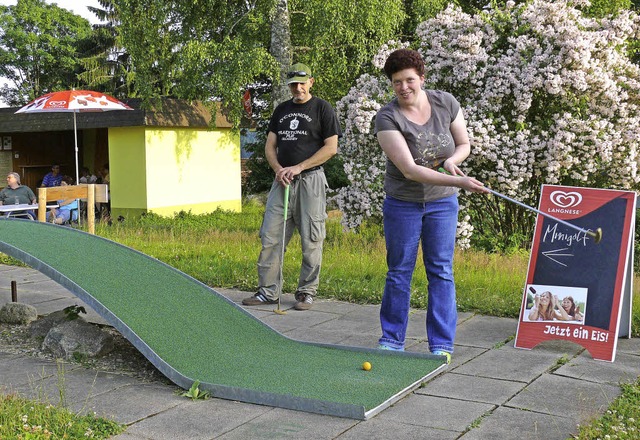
[
  {"x": 278, "y": 310},
  {"x": 597, "y": 234}
]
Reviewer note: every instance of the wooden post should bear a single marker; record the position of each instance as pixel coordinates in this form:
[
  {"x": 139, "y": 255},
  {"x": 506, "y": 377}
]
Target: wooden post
[
  {"x": 42, "y": 204},
  {"x": 14, "y": 292},
  {"x": 91, "y": 208}
]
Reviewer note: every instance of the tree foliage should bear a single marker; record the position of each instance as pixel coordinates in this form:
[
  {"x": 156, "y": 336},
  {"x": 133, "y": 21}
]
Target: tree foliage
[
  {"x": 107, "y": 64},
  {"x": 338, "y": 38},
  {"x": 418, "y": 11},
  {"x": 215, "y": 49},
  {"x": 39, "y": 49},
  {"x": 207, "y": 49}
]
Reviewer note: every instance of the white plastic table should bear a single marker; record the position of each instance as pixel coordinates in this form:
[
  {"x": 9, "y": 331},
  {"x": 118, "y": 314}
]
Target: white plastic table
[{"x": 20, "y": 210}]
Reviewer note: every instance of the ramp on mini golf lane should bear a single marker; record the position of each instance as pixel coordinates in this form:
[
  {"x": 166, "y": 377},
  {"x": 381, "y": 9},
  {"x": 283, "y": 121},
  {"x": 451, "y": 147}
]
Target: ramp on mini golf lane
[{"x": 191, "y": 332}]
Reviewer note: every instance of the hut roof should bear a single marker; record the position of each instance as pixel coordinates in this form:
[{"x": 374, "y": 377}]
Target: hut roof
[{"x": 170, "y": 112}]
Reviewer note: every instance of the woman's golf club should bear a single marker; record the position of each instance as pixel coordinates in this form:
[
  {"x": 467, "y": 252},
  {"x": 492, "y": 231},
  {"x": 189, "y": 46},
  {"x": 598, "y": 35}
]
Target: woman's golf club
[
  {"x": 597, "y": 235},
  {"x": 278, "y": 310}
]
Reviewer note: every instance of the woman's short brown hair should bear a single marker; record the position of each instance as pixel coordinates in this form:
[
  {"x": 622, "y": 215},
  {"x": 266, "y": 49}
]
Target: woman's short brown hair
[{"x": 404, "y": 59}]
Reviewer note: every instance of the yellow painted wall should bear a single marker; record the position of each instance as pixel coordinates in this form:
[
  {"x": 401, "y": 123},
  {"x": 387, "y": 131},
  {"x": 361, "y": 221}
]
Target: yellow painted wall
[
  {"x": 167, "y": 170},
  {"x": 192, "y": 169},
  {"x": 127, "y": 169}
]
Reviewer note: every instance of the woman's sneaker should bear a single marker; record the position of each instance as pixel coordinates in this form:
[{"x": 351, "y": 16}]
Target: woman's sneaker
[
  {"x": 257, "y": 300},
  {"x": 386, "y": 347},
  {"x": 443, "y": 353}
]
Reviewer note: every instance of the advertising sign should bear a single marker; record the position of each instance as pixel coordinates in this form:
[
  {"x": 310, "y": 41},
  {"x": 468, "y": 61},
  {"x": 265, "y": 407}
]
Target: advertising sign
[
  {"x": 246, "y": 102},
  {"x": 576, "y": 289}
]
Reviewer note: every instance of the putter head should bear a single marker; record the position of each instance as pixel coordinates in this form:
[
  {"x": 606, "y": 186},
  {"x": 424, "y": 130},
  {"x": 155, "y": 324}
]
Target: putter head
[
  {"x": 278, "y": 310},
  {"x": 598, "y": 235}
]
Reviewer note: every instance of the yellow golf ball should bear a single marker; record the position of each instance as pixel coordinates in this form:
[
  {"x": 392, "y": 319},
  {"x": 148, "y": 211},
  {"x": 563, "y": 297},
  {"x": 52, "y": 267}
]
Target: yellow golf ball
[{"x": 366, "y": 366}]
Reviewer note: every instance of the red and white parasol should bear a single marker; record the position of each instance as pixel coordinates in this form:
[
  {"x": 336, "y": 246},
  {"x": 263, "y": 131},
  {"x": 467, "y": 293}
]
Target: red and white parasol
[{"x": 74, "y": 101}]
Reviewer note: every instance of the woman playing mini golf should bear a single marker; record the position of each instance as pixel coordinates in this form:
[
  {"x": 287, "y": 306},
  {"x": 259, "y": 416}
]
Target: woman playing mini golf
[{"x": 420, "y": 131}]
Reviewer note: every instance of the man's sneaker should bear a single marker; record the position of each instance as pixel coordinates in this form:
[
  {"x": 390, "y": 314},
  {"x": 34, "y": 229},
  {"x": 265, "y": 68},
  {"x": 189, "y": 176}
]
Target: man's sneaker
[
  {"x": 304, "y": 301},
  {"x": 257, "y": 300},
  {"x": 443, "y": 353}
]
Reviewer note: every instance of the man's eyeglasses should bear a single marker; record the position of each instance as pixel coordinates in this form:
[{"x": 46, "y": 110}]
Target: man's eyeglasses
[{"x": 297, "y": 73}]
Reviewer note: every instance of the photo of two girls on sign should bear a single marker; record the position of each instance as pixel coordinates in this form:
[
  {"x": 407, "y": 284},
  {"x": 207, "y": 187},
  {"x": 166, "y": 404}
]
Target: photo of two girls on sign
[{"x": 545, "y": 305}]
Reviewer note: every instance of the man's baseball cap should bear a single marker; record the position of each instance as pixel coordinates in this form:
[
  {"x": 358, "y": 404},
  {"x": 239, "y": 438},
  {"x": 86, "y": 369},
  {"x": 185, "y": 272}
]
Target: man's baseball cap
[{"x": 298, "y": 73}]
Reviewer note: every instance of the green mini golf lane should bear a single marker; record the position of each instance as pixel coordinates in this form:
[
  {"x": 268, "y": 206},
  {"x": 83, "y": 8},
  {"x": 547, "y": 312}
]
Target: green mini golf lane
[{"x": 191, "y": 332}]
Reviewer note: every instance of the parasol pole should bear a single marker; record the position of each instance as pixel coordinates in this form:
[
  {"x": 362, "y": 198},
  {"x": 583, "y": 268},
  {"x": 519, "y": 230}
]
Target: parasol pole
[{"x": 75, "y": 138}]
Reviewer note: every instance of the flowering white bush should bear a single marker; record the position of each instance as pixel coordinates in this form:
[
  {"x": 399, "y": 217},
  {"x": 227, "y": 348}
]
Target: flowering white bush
[
  {"x": 364, "y": 164},
  {"x": 550, "y": 96}
]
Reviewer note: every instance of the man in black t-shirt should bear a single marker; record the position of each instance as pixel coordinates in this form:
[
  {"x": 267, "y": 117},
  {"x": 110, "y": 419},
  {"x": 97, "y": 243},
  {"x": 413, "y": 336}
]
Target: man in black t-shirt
[{"x": 303, "y": 135}]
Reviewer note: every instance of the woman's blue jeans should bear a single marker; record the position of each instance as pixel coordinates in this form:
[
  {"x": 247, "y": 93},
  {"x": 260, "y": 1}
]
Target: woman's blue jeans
[{"x": 406, "y": 224}]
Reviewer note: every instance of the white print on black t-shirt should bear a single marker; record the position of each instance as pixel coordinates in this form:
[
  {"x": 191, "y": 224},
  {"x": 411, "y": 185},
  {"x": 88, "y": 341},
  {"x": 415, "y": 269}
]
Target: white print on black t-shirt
[
  {"x": 292, "y": 134},
  {"x": 295, "y": 115}
]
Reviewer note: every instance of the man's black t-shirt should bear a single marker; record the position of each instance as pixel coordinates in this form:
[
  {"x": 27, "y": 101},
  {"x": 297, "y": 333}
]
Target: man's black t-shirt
[{"x": 302, "y": 128}]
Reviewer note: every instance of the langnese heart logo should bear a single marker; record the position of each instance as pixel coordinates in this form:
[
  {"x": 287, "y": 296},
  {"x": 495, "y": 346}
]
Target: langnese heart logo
[
  {"x": 565, "y": 199},
  {"x": 57, "y": 104}
]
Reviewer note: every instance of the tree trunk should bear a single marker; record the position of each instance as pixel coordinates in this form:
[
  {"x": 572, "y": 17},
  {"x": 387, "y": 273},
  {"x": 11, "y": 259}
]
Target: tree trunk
[{"x": 281, "y": 49}]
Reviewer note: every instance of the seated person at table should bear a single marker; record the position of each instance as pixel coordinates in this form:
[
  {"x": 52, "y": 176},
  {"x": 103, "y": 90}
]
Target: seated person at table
[
  {"x": 86, "y": 176},
  {"x": 52, "y": 178},
  {"x": 16, "y": 194},
  {"x": 67, "y": 209},
  {"x": 104, "y": 174},
  {"x": 104, "y": 208}
]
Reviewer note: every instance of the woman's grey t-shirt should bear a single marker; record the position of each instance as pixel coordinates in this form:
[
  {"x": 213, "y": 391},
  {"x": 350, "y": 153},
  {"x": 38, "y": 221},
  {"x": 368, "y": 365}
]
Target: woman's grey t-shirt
[{"x": 430, "y": 145}]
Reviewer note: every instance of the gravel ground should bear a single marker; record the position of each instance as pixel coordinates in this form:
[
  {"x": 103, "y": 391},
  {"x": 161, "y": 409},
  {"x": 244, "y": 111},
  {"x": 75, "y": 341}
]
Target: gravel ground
[{"x": 124, "y": 359}]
